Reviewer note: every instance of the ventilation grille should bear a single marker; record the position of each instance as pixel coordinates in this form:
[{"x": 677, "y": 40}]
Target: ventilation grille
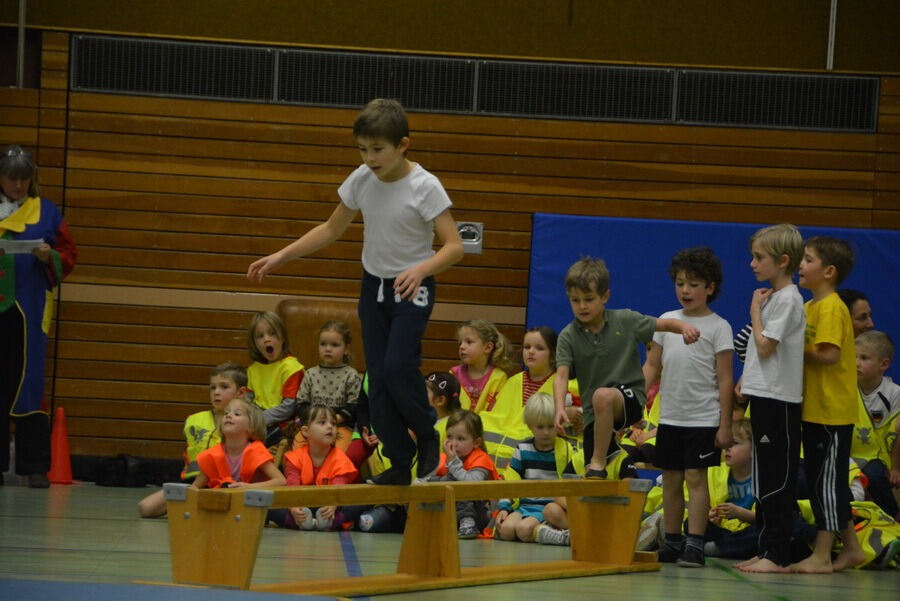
[
  {"x": 469, "y": 86},
  {"x": 575, "y": 91},
  {"x": 353, "y": 79},
  {"x": 778, "y": 100},
  {"x": 166, "y": 68}
]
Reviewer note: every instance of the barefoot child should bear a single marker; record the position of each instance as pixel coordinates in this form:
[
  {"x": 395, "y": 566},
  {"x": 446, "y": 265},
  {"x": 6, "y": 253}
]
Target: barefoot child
[
  {"x": 830, "y": 402},
  {"x": 773, "y": 384}
]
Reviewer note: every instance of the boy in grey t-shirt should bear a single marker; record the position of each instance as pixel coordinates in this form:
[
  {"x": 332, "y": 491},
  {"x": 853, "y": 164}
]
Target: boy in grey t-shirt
[{"x": 600, "y": 345}]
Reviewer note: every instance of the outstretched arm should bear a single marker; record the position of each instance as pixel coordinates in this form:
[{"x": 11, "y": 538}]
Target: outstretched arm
[
  {"x": 319, "y": 237},
  {"x": 689, "y": 333}
]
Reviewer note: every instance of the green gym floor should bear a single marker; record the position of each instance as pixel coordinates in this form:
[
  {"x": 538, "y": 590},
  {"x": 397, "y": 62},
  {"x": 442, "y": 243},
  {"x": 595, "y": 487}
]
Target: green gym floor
[{"x": 86, "y": 542}]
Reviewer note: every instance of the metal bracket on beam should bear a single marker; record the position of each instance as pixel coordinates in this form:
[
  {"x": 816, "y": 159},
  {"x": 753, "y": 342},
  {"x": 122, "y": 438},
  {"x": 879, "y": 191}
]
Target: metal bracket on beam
[
  {"x": 437, "y": 506},
  {"x": 259, "y": 498},
  {"x": 640, "y": 485},
  {"x": 175, "y": 491},
  {"x": 608, "y": 500}
]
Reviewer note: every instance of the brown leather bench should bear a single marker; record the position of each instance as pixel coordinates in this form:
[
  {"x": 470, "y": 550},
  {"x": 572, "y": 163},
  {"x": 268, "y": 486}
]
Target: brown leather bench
[{"x": 304, "y": 316}]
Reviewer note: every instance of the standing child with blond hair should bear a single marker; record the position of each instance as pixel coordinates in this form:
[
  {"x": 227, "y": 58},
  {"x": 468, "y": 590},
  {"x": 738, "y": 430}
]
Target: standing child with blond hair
[
  {"x": 486, "y": 357},
  {"x": 773, "y": 384}
]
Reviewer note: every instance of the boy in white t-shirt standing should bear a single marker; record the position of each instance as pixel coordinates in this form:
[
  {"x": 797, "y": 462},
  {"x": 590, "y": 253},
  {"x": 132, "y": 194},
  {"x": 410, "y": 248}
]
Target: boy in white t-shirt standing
[
  {"x": 403, "y": 206},
  {"x": 773, "y": 385},
  {"x": 696, "y": 395}
]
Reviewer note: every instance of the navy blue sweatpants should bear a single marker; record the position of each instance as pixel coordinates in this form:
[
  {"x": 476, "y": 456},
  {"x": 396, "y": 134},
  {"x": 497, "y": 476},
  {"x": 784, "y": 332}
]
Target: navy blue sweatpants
[{"x": 392, "y": 332}]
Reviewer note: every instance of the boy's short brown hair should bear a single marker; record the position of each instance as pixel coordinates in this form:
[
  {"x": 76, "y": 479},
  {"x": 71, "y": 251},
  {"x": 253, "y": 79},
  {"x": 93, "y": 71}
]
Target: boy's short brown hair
[
  {"x": 833, "y": 252},
  {"x": 232, "y": 370},
  {"x": 781, "y": 239},
  {"x": 382, "y": 118},
  {"x": 588, "y": 273},
  {"x": 879, "y": 343}
]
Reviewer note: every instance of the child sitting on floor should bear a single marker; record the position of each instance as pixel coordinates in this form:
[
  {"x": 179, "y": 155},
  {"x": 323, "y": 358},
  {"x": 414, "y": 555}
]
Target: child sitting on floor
[
  {"x": 465, "y": 460},
  {"x": 542, "y": 457},
  {"x": 318, "y": 462},
  {"x": 240, "y": 460},
  {"x": 201, "y": 430}
]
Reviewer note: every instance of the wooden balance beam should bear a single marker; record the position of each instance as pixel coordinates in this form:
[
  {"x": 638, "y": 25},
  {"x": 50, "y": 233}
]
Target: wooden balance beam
[{"x": 214, "y": 535}]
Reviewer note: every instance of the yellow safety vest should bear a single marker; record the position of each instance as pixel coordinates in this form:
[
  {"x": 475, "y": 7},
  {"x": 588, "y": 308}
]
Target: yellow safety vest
[{"x": 200, "y": 433}]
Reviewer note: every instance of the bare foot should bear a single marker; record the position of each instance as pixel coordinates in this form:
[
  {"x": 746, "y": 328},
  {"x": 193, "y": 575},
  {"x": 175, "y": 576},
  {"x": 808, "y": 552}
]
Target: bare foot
[
  {"x": 813, "y": 565},
  {"x": 766, "y": 566},
  {"x": 848, "y": 558},
  {"x": 747, "y": 562}
]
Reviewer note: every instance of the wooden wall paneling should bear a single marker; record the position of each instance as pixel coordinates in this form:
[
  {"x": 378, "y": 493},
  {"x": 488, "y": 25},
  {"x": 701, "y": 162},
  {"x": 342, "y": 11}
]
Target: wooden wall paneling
[
  {"x": 886, "y": 213},
  {"x": 174, "y": 194}
]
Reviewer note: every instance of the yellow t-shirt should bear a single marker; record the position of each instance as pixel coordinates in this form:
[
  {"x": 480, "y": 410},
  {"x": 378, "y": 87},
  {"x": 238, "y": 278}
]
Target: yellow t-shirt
[{"x": 829, "y": 391}]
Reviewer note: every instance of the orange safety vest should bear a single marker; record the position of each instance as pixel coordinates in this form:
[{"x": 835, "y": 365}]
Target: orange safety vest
[
  {"x": 476, "y": 459},
  {"x": 336, "y": 464},
  {"x": 214, "y": 463}
]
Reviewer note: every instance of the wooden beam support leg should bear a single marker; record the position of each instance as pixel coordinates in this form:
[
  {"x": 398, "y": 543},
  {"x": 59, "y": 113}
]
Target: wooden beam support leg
[
  {"x": 604, "y": 529},
  {"x": 430, "y": 544},
  {"x": 214, "y": 535}
]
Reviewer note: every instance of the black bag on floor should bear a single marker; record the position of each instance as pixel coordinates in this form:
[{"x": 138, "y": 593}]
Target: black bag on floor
[{"x": 124, "y": 470}]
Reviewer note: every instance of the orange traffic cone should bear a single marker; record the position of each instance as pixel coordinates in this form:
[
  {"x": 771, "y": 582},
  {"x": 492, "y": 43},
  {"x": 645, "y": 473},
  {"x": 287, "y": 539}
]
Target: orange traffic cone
[{"x": 60, "y": 462}]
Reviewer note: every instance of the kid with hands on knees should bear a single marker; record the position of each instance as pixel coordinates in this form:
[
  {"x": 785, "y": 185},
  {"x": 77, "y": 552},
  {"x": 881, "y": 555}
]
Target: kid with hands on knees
[
  {"x": 601, "y": 346},
  {"x": 319, "y": 462},
  {"x": 486, "y": 357},
  {"x": 773, "y": 383},
  {"x": 241, "y": 460},
  {"x": 465, "y": 460},
  {"x": 545, "y": 456},
  {"x": 695, "y": 415},
  {"x": 403, "y": 206}
]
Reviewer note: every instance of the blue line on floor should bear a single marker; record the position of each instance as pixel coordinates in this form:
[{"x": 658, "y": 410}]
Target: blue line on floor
[{"x": 351, "y": 560}]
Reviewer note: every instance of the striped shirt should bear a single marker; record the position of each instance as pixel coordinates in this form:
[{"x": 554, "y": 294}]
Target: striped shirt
[{"x": 532, "y": 464}]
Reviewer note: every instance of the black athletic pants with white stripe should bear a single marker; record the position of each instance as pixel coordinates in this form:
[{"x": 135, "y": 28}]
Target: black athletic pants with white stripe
[
  {"x": 826, "y": 455},
  {"x": 776, "y": 457}
]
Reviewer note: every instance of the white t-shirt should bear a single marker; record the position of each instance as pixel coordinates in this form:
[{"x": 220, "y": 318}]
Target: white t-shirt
[
  {"x": 884, "y": 400},
  {"x": 689, "y": 387},
  {"x": 780, "y": 375},
  {"x": 398, "y": 217}
]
